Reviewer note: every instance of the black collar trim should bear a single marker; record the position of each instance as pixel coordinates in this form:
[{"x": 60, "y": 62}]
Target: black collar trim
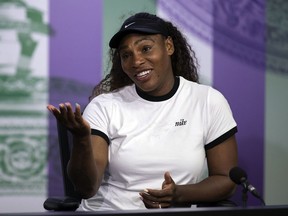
[{"x": 167, "y": 96}]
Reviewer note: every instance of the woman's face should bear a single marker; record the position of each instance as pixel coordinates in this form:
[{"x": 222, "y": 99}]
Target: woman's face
[{"x": 146, "y": 60}]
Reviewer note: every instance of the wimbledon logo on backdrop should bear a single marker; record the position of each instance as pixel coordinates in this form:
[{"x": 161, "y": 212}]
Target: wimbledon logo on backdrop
[{"x": 23, "y": 94}]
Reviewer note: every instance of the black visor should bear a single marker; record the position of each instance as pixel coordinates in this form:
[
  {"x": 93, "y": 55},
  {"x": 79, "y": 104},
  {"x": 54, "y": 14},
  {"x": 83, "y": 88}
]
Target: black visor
[{"x": 147, "y": 24}]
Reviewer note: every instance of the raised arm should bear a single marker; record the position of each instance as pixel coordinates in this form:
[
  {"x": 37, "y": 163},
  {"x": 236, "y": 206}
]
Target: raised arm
[{"x": 89, "y": 154}]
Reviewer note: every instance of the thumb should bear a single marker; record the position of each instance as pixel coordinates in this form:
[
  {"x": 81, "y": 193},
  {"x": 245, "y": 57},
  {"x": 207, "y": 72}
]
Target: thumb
[{"x": 167, "y": 179}]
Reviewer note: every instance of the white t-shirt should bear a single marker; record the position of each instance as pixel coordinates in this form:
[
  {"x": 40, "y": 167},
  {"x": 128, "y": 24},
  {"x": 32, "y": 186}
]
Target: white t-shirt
[{"x": 151, "y": 135}]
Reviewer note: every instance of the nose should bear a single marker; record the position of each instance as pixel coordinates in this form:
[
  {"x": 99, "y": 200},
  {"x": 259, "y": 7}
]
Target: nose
[{"x": 138, "y": 60}]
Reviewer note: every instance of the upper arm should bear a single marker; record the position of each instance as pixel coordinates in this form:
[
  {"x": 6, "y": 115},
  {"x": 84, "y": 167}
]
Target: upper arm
[
  {"x": 222, "y": 157},
  {"x": 100, "y": 155}
]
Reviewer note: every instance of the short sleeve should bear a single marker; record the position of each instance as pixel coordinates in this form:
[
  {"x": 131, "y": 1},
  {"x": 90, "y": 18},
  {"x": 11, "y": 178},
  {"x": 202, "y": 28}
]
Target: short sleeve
[
  {"x": 220, "y": 121},
  {"x": 96, "y": 115}
]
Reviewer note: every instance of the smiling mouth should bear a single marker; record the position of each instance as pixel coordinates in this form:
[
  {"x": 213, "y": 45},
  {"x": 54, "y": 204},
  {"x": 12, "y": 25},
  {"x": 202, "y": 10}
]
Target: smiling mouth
[{"x": 143, "y": 74}]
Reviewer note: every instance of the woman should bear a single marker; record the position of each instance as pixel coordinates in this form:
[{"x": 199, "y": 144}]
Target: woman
[{"x": 150, "y": 129}]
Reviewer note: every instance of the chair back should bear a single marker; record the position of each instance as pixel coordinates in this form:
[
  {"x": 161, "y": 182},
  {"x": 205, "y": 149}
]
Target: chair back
[
  {"x": 65, "y": 145},
  {"x": 71, "y": 200}
]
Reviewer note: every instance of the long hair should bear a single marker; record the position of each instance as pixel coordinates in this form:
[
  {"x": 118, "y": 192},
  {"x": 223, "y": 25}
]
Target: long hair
[{"x": 183, "y": 60}]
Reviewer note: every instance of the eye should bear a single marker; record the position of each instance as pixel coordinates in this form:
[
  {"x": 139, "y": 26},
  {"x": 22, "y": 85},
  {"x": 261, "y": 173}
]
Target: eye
[
  {"x": 124, "y": 55},
  {"x": 146, "y": 48}
]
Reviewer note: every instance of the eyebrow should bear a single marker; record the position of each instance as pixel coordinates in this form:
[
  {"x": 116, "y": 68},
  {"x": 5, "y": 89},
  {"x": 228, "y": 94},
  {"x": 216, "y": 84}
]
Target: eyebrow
[{"x": 137, "y": 42}]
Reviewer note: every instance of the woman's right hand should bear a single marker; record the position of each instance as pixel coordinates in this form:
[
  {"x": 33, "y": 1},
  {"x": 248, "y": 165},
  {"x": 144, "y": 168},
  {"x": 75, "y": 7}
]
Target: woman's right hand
[{"x": 72, "y": 120}]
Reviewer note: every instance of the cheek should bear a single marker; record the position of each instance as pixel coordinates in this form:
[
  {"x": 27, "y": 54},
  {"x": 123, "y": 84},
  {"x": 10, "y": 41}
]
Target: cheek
[
  {"x": 126, "y": 71},
  {"x": 124, "y": 66},
  {"x": 161, "y": 62}
]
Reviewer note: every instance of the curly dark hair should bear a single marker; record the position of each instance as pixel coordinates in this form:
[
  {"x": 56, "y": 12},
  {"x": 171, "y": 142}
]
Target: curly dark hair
[{"x": 184, "y": 62}]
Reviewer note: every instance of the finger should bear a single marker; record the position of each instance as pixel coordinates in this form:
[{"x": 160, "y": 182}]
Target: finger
[
  {"x": 165, "y": 192},
  {"x": 149, "y": 204},
  {"x": 63, "y": 114},
  {"x": 167, "y": 198},
  {"x": 54, "y": 110},
  {"x": 147, "y": 196},
  {"x": 157, "y": 195},
  {"x": 150, "y": 200},
  {"x": 62, "y": 109},
  {"x": 164, "y": 205},
  {"x": 78, "y": 115},
  {"x": 77, "y": 109},
  {"x": 70, "y": 113}
]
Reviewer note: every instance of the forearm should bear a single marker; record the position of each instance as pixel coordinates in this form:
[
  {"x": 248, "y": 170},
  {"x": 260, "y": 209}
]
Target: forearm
[
  {"x": 211, "y": 189},
  {"x": 82, "y": 169}
]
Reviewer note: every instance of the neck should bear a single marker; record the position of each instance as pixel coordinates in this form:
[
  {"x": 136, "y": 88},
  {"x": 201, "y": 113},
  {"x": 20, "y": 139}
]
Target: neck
[{"x": 173, "y": 90}]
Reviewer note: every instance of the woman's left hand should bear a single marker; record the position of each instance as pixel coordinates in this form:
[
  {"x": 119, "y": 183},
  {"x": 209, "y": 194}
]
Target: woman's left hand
[{"x": 160, "y": 198}]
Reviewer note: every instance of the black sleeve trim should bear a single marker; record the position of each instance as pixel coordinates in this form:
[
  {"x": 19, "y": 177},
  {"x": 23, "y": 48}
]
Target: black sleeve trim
[
  {"x": 221, "y": 139},
  {"x": 101, "y": 134}
]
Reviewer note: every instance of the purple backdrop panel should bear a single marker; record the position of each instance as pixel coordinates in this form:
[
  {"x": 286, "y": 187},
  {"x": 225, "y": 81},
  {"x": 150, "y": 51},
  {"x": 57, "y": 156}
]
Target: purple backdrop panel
[
  {"x": 76, "y": 46},
  {"x": 75, "y": 66},
  {"x": 239, "y": 73}
]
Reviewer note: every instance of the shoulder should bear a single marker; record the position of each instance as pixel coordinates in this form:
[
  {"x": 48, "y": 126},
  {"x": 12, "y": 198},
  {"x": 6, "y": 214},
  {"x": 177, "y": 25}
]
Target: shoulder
[
  {"x": 202, "y": 93},
  {"x": 117, "y": 95},
  {"x": 197, "y": 89},
  {"x": 112, "y": 99}
]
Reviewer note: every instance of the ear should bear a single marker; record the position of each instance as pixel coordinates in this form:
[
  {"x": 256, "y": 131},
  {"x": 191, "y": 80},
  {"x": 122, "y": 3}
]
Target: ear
[{"x": 169, "y": 45}]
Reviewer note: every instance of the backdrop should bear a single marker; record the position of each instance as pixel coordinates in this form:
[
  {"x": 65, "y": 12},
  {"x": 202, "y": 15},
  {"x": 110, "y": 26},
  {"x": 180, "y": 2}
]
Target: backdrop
[{"x": 56, "y": 51}]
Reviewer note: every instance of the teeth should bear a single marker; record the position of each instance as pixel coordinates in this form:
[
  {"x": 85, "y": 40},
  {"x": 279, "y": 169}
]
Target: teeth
[{"x": 143, "y": 73}]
